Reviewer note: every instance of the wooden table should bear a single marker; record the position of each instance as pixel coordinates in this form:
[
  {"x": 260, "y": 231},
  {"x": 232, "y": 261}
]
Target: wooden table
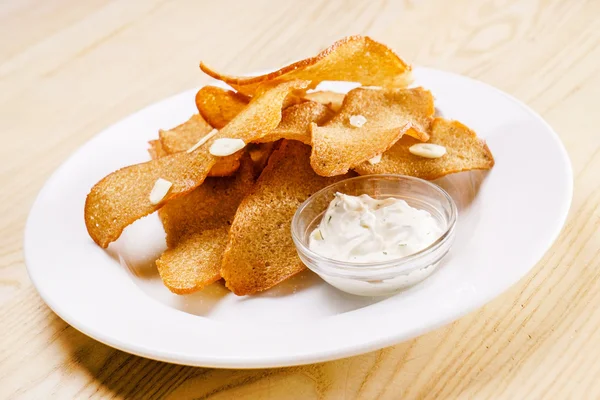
[{"x": 70, "y": 68}]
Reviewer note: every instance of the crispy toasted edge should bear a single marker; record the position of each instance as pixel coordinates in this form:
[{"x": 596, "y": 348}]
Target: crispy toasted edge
[
  {"x": 275, "y": 157},
  {"x": 179, "y": 289},
  {"x": 302, "y": 64},
  {"x": 417, "y": 134},
  {"x": 230, "y": 92}
]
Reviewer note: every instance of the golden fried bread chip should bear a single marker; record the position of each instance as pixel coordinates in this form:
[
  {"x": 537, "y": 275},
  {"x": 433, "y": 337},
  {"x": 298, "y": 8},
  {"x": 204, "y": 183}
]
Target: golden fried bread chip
[
  {"x": 354, "y": 59},
  {"x": 464, "y": 152},
  {"x": 124, "y": 196},
  {"x": 197, "y": 227},
  {"x": 219, "y": 106},
  {"x": 185, "y": 135},
  {"x": 332, "y": 100},
  {"x": 156, "y": 150},
  {"x": 194, "y": 263},
  {"x": 260, "y": 252},
  {"x": 296, "y": 120},
  {"x": 369, "y": 122},
  {"x": 204, "y": 207}
]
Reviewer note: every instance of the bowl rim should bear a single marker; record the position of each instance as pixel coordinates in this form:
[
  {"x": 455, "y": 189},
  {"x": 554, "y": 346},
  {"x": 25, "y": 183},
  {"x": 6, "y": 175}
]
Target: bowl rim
[{"x": 379, "y": 265}]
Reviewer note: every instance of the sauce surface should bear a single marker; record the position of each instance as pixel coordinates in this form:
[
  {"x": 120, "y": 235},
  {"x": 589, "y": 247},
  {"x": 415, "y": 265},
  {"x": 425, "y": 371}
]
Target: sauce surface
[{"x": 363, "y": 229}]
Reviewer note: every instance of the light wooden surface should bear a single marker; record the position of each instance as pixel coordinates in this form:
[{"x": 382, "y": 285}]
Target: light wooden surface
[{"x": 70, "y": 68}]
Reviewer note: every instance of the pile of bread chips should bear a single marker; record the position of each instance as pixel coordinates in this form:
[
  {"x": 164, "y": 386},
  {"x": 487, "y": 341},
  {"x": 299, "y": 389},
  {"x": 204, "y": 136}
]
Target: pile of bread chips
[{"x": 229, "y": 217}]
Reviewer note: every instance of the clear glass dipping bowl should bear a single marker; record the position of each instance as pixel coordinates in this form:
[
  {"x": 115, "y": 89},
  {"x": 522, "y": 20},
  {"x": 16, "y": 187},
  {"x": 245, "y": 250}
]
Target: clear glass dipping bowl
[{"x": 385, "y": 277}]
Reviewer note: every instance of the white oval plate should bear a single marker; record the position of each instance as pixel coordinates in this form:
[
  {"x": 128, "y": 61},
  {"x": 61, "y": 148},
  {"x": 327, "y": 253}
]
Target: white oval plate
[{"x": 508, "y": 218}]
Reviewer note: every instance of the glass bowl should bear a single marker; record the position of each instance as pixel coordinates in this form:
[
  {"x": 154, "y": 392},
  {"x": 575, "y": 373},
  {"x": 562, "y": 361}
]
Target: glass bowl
[{"x": 384, "y": 277}]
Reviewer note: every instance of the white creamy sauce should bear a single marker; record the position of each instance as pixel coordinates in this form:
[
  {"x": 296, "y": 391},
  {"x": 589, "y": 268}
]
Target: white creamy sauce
[{"x": 363, "y": 229}]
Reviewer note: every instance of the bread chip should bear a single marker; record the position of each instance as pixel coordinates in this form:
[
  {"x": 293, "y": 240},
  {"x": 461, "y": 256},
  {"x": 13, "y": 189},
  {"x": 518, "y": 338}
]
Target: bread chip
[
  {"x": 185, "y": 136},
  {"x": 219, "y": 106},
  {"x": 260, "y": 252},
  {"x": 332, "y": 100},
  {"x": 385, "y": 115},
  {"x": 296, "y": 120},
  {"x": 156, "y": 150},
  {"x": 465, "y": 151},
  {"x": 354, "y": 59},
  {"x": 123, "y": 196},
  {"x": 194, "y": 263},
  {"x": 197, "y": 227}
]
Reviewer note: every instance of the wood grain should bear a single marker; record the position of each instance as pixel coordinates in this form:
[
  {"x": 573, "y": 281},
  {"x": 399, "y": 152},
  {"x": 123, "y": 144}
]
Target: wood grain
[{"x": 70, "y": 68}]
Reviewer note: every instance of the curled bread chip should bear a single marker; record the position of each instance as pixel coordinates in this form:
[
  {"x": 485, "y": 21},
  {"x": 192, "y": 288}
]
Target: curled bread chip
[
  {"x": 122, "y": 197},
  {"x": 187, "y": 135},
  {"x": 296, "y": 120},
  {"x": 260, "y": 252},
  {"x": 464, "y": 152},
  {"x": 197, "y": 227},
  {"x": 353, "y": 59},
  {"x": 384, "y": 115},
  {"x": 332, "y": 100},
  {"x": 219, "y": 106}
]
